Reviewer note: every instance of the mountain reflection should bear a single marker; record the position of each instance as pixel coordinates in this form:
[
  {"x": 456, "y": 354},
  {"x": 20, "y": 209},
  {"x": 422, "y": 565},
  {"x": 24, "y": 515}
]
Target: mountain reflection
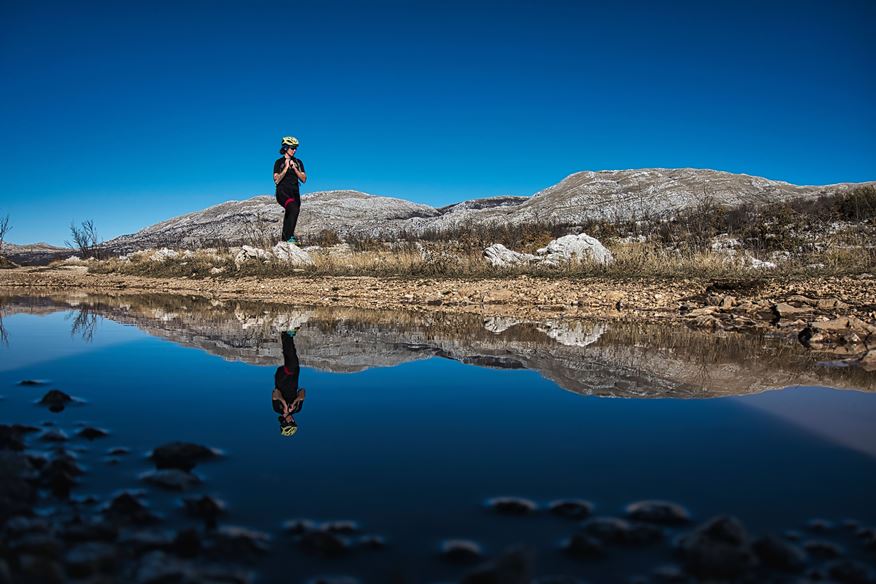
[{"x": 590, "y": 358}]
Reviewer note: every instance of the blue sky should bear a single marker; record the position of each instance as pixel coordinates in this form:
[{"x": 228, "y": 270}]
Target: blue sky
[{"x": 131, "y": 113}]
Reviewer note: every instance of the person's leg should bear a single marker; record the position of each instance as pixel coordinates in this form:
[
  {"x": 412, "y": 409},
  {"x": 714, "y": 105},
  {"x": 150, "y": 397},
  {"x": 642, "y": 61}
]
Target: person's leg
[{"x": 290, "y": 219}]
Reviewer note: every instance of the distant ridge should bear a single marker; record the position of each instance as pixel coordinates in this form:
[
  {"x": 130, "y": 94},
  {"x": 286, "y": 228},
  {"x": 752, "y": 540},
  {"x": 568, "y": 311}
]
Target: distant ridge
[{"x": 613, "y": 195}]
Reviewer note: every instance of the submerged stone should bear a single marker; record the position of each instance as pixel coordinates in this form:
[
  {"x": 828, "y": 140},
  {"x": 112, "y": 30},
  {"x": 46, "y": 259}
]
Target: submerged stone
[
  {"x": 778, "y": 554},
  {"x": 717, "y": 549},
  {"x": 181, "y": 455},
  {"x": 512, "y": 567},
  {"x": 32, "y": 382},
  {"x": 55, "y": 400},
  {"x": 231, "y": 541},
  {"x": 299, "y": 526},
  {"x": 850, "y": 572},
  {"x": 127, "y": 508},
  {"x": 91, "y": 433},
  {"x": 205, "y": 508},
  {"x": 571, "y": 508},
  {"x": 584, "y": 546},
  {"x": 54, "y": 435},
  {"x": 662, "y": 512},
  {"x": 118, "y": 451},
  {"x": 511, "y": 505},
  {"x": 323, "y": 542},
  {"x": 371, "y": 542},
  {"x": 342, "y": 527},
  {"x": 461, "y": 551},
  {"x": 824, "y": 549},
  {"x": 172, "y": 479},
  {"x": 91, "y": 558}
]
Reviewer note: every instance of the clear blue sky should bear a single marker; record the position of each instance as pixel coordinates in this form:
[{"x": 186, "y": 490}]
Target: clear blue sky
[{"x": 131, "y": 113}]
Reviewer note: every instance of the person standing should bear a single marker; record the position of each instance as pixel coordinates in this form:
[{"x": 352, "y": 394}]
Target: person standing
[{"x": 288, "y": 174}]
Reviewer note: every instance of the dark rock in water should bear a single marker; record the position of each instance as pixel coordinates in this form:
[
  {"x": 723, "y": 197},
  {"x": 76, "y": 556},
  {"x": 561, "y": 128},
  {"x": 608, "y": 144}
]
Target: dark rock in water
[
  {"x": 819, "y": 525},
  {"x": 342, "y": 527},
  {"x": 60, "y": 483},
  {"x": 44, "y": 545},
  {"x": 32, "y": 382},
  {"x": 238, "y": 542},
  {"x": 20, "y": 525},
  {"x": 792, "y": 535},
  {"x": 141, "y": 541},
  {"x": 172, "y": 479},
  {"x": 851, "y": 524},
  {"x": 160, "y": 567},
  {"x": 205, "y": 508},
  {"x": 557, "y": 579},
  {"x": 118, "y": 451},
  {"x": 850, "y": 572},
  {"x": 717, "y": 549},
  {"x": 461, "y": 551},
  {"x": 299, "y": 526},
  {"x": 181, "y": 455},
  {"x": 39, "y": 569},
  {"x": 11, "y": 438},
  {"x": 670, "y": 573},
  {"x": 584, "y": 546},
  {"x": 512, "y": 567},
  {"x": 55, "y": 400},
  {"x": 511, "y": 505},
  {"x": 92, "y": 558},
  {"x": 333, "y": 580},
  {"x": 820, "y": 548},
  {"x": 371, "y": 542},
  {"x": 17, "y": 485},
  {"x": 88, "y": 530},
  {"x": 323, "y": 542},
  {"x": 571, "y": 508},
  {"x": 867, "y": 535},
  {"x": 620, "y": 531},
  {"x": 54, "y": 435},
  {"x": 187, "y": 543},
  {"x": 92, "y": 433},
  {"x": 662, "y": 512},
  {"x": 126, "y": 508},
  {"x": 774, "y": 552}
]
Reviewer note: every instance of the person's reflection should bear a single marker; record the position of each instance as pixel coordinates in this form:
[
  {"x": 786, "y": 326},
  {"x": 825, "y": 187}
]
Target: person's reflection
[{"x": 287, "y": 398}]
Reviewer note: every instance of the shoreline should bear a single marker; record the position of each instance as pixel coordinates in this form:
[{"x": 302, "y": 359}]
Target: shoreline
[{"x": 835, "y": 316}]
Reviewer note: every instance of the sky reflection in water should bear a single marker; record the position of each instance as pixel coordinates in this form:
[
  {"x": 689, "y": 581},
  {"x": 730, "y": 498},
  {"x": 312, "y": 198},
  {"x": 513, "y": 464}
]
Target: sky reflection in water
[{"x": 411, "y": 451}]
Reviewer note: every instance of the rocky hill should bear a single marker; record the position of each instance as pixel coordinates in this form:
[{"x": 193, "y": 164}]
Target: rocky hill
[
  {"x": 609, "y": 195},
  {"x": 35, "y": 253}
]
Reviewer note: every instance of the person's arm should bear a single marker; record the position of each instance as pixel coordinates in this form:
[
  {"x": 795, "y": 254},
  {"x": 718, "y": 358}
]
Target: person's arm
[
  {"x": 279, "y": 397},
  {"x": 302, "y": 176},
  {"x": 278, "y": 176}
]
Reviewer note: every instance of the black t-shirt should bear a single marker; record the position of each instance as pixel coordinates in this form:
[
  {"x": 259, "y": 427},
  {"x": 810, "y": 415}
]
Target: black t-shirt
[{"x": 289, "y": 185}]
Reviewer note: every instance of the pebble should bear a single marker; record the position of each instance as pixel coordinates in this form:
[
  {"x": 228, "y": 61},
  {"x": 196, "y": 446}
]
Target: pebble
[
  {"x": 819, "y": 525},
  {"x": 581, "y": 545},
  {"x": 92, "y": 433},
  {"x": 127, "y": 508},
  {"x": 824, "y": 549},
  {"x": 342, "y": 527},
  {"x": 511, "y": 505},
  {"x": 54, "y": 435},
  {"x": 90, "y": 558},
  {"x": 717, "y": 549},
  {"x": 850, "y": 572},
  {"x": 571, "y": 508},
  {"x": 55, "y": 400},
  {"x": 299, "y": 526},
  {"x": 779, "y": 554},
  {"x": 181, "y": 455},
  {"x": 323, "y": 542},
  {"x": 462, "y": 551},
  {"x": 661, "y": 512},
  {"x": 172, "y": 479},
  {"x": 205, "y": 508}
]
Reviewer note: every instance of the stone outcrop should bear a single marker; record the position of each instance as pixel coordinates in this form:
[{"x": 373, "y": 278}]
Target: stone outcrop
[{"x": 500, "y": 256}]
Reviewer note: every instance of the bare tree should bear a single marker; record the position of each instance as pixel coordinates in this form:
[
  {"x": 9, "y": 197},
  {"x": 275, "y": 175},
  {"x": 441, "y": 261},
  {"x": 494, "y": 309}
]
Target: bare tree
[
  {"x": 4, "y": 229},
  {"x": 85, "y": 239},
  {"x": 84, "y": 324}
]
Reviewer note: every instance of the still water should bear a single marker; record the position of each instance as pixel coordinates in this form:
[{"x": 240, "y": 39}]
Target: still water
[{"x": 408, "y": 423}]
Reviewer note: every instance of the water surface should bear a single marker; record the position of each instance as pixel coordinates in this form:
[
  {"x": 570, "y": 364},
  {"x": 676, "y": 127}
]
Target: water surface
[{"x": 411, "y": 421}]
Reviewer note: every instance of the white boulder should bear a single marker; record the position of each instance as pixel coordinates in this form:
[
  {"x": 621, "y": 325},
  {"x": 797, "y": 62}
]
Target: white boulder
[
  {"x": 292, "y": 254},
  {"x": 159, "y": 255},
  {"x": 500, "y": 256},
  {"x": 249, "y": 253},
  {"x": 579, "y": 247}
]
